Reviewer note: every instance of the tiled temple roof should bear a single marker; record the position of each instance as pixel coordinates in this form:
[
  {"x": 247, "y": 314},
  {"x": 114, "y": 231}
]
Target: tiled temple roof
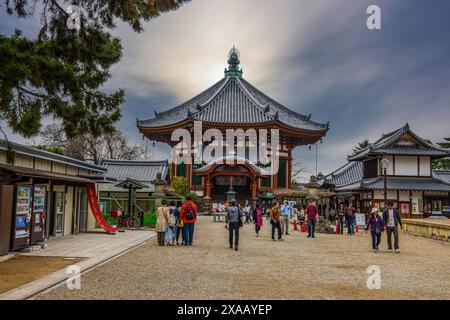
[
  {"x": 142, "y": 171},
  {"x": 414, "y": 184},
  {"x": 230, "y": 101},
  {"x": 387, "y": 145},
  {"x": 349, "y": 173}
]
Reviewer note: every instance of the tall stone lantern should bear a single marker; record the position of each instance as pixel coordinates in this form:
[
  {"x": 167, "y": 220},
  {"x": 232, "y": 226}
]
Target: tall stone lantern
[
  {"x": 313, "y": 189},
  {"x": 159, "y": 184}
]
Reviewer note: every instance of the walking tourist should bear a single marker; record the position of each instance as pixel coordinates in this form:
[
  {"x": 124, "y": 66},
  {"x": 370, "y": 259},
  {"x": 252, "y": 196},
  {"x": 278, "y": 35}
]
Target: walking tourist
[
  {"x": 247, "y": 211},
  {"x": 376, "y": 226},
  {"x": 162, "y": 221},
  {"x": 188, "y": 214},
  {"x": 311, "y": 218},
  {"x": 350, "y": 217},
  {"x": 234, "y": 220},
  {"x": 179, "y": 224},
  {"x": 174, "y": 213},
  {"x": 392, "y": 219},
  {"x": 275, "y": 220},
  {"x": 257, "y": 218},
  {"x": 286, "y": 210},
  {"x": 341, "y": 218}
]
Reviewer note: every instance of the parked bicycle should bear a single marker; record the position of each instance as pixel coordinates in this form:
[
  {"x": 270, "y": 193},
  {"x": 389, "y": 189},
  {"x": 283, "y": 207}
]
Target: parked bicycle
[{"x": 126, "y": 220}]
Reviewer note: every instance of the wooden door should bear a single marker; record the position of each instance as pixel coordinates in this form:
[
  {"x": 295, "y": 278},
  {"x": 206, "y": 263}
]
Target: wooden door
[{"x": 6, "y": 213}]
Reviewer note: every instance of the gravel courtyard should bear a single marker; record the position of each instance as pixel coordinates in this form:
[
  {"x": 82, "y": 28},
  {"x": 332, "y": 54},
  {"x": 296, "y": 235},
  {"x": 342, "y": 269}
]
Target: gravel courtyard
[{"x": 328, "y": 267}]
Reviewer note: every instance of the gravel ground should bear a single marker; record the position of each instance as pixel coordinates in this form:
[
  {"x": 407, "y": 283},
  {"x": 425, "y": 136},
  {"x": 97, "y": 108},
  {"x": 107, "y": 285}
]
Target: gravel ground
[{"x": 328, "y": 267}]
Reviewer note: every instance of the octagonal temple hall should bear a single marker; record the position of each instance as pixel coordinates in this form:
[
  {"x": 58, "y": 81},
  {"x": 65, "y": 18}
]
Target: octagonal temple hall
[{"x": 234, "y": 103}]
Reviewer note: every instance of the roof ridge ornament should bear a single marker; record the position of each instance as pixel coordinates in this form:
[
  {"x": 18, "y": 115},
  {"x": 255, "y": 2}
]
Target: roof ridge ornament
[
  {"x": 267, "y": 109},
  {"x": 275, "y": 117},
  {"x": 233, "y": 63},
  {"x": 156, "y": 114}
]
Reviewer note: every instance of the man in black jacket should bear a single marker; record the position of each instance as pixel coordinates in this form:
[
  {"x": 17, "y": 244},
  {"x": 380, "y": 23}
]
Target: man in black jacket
[
  {"x": 233, "y": 218},
  {"x": 392, "y": 219}
]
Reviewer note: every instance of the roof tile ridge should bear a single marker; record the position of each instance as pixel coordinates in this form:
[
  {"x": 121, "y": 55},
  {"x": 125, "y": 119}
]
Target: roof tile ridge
[
  {"x": 260, "y": 107},
  {"x": 216, "y": 94},
  {"x": 281, "y": 106},
  {"x": 184, "y": 104}
]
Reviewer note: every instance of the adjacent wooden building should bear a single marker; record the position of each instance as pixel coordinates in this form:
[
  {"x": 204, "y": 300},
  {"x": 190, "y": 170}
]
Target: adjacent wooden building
[
  {"x": 42, "y": 195},
  {"x": 411, "y": 183}
]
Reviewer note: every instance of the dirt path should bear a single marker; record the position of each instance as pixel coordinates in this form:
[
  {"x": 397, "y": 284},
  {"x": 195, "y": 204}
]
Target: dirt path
[{"x": 328, "y": 267}]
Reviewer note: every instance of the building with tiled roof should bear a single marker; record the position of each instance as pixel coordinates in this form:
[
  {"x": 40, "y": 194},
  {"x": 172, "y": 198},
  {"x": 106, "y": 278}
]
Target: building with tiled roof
[
  {"x": 410, "y": 181},
  {"x": 234, "y": 103}
]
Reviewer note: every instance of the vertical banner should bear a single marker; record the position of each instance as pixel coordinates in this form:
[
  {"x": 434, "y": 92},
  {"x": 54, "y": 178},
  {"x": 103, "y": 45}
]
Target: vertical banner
[{"x": 93, "y": 204}]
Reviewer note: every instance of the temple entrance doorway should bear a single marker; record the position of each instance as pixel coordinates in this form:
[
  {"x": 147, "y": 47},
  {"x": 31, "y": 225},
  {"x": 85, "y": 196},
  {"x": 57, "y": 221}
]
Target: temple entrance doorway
[{"x": 240, "y": 184}]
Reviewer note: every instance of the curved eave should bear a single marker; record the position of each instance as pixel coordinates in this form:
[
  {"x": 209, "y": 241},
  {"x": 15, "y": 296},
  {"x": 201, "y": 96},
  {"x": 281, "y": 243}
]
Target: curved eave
[
  {"x": 374, "y": 154},
  {"x": 183, "y": 123}
]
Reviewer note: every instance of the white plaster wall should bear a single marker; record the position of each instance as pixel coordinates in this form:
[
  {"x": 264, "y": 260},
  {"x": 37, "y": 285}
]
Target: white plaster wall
[
  {"x": 406, "y": 166},
  {"x": 425, "y": 166},
  {"x": 404, "y": 196},
  {"x": 416, "y": 196},
  {"x": 390, "y": 170}
]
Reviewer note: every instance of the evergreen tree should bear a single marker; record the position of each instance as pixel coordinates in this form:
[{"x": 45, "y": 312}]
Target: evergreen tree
[
  {"x": 443, "y": 164},
  {"x": 361, "y": 145},
  {"x": 62, "y": 71}
]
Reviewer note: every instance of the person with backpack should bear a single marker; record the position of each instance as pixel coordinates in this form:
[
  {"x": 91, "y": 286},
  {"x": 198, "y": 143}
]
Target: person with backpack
[
  {"x": 162, "y": 221},
  {"x": 188, "y": 214},
  {"x": 234, "y": 220}
]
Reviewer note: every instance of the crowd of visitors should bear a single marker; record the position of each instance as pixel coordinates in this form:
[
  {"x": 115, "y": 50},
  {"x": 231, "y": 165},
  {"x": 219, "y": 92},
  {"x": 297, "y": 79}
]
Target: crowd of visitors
[
  {"x": 175, "y": 220},
  {"x": 180, "y": 218}
]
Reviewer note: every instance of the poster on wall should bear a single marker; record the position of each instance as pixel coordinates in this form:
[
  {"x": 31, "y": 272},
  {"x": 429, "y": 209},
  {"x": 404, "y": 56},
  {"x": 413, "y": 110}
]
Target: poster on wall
[
  {"x": 405, "y": 207},
  {"x": 360, "y": 219}
]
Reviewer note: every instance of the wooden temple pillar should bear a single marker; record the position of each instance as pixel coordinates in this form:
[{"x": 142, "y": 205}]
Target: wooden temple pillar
[
  {"x": 254, "y": 186},
  {"x": 208, "y": 186}
]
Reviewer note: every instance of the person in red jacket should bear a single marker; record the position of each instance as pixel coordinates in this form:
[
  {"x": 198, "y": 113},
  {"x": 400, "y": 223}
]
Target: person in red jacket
[
  {"x": 188, "y": 214},
  {"x": 311, "y": 218}
]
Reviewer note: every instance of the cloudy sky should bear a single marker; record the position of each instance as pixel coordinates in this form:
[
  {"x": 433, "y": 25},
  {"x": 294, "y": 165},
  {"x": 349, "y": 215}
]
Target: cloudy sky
[{"x": 313, "y": 56}]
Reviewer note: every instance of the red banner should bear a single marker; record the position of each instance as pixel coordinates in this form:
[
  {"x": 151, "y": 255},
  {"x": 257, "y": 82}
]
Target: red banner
[{"x": 93, "y": 204}]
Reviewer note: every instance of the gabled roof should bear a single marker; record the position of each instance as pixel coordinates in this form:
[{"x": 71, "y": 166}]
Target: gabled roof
[
  {"x": 234, "y": 160},
  {"x": 443, "y": 175},
  {"x": 414, "y": 184},
  {"x": 42, "y": 154},
  {"x": 347, "y": 174},
  {"x": 387, "y": 145},
  {"x": 142, "y": 171},
  {"x": 232, "y": 100},
  {"x": 131, "y": 183}
]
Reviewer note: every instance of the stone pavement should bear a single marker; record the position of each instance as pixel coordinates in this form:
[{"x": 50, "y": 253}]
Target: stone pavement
[
  {"x": 97, "y": 248},
  {"x": 328, "y": 267}
]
